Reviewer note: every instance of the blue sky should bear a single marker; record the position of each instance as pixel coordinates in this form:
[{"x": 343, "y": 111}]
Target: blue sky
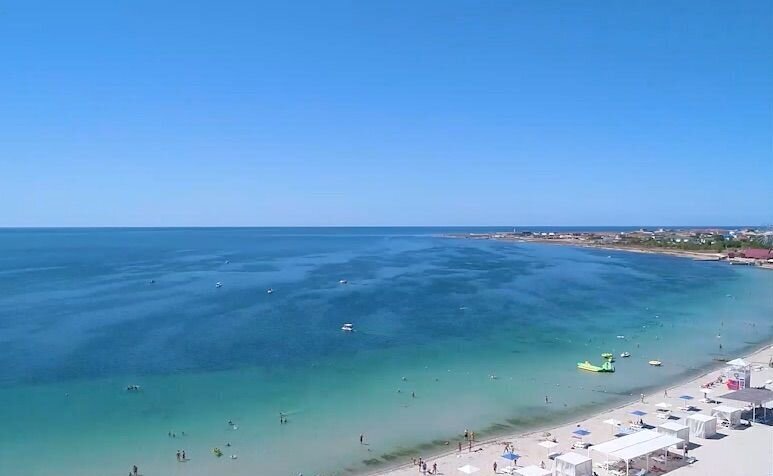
[{"x": 385, "y": 113}]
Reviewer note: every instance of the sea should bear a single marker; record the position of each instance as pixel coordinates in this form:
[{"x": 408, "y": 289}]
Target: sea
[{"x": 449, "y": 334}]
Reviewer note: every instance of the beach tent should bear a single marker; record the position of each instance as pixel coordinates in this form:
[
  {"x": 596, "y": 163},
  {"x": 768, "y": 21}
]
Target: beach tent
[
  {"x": 730, "y": 414},
  {"x": 468, "y": 469},
  {"x": 532, "y": 471},
  {"x": 609, "y": 447},
  {"x": 646, "y": 448},
  {"x": 757, "y": 397},
  {"x": 636, "y": 445},
  {"x": 572, "y": 464},
  {"x": 702, "y": 426},
  {"x": 676, "y": 430}
]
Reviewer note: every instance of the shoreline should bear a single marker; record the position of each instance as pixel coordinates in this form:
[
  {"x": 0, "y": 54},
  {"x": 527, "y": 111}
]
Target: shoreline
[
  {"x": 695, "y": 255},
  {"x": 495, "y": 442}
]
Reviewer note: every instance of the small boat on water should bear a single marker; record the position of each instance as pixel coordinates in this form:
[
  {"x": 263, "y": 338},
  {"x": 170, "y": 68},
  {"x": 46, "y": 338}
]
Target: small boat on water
[
  {"x": 605, "y": 367},
  {"x": 218, "y": 284},
  {"x": 621, "y": 337},
  {"x": 655, "y": 363},
  {"x": 269, "y": 291},
  {"x": 625, "y": 354},
  {"x": 343, "y": 281},
  {"x": 608, "y": 356},
  {"x": 348, "y": 327}
]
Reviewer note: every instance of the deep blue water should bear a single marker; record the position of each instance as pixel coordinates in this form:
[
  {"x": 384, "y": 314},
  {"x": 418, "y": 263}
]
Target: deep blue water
[{"x": 86, "y": 311}]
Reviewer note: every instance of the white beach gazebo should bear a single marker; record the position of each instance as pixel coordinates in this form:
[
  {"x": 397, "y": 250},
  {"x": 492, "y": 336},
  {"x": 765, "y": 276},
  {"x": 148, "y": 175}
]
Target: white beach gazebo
[
  {"x": 572, "y": 464},
  {"x": 702, "y": 426},
  {"x": 728, "y": 413},
  {"x": 636, "y": 445},
  {"x": 676, "y": 430}
]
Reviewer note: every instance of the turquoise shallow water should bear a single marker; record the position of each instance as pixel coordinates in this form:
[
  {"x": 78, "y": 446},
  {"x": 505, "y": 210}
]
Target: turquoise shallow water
[{"x": 80, "y": 319}]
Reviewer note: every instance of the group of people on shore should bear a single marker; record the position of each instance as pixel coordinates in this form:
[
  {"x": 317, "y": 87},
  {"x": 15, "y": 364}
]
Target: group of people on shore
[
  {"x": 181, "y": 456},
  {"x": 423, "y": 468}
]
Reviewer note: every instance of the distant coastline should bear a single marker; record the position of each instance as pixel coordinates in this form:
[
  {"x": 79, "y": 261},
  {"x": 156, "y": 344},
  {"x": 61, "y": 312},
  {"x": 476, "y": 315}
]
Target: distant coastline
[{"x": 607, "y": 241}]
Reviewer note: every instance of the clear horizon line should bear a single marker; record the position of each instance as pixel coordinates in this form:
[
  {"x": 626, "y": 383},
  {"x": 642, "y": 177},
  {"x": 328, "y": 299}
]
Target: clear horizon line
[{"x": 11, "y": 227}]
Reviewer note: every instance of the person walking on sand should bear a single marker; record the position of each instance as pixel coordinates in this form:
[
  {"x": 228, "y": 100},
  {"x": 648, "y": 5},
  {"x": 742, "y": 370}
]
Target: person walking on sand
[
  {"x": 642, "y": 398},
  {"x": 178, "y": 456},
  {"x": 495, "y": 467},
  {"x": 183, "y": 456},
  {"x": 460, "y": 447},
  {"x": 470, "y": 446},
  {"x": 665, "y": 393},
  {"x": 135, "y": 470},
  {"x": 434, "y": 468},
  {"x": 362, "y": 438},
  {"x": 547, "y": 400}
]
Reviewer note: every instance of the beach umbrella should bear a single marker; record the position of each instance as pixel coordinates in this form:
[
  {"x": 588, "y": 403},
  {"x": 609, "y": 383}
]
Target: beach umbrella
[
  {"x": 638, "y": 413},
  {"x": 468, "y": 469},
  {"x": 581, "y": 432},
  {"x": 686, "y": 397},
  {"x": 613, "y": 423},
  {"x": 511, "y": 456}
]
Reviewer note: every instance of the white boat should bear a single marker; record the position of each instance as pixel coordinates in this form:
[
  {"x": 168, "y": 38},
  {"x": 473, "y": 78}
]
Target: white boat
[
  {"x": 269, "y": 291},
  {"x": 621, "y": 337},
  {"x": 343, "y": 281},
  {"x": 218, "y": 284},
  {"x": 348, "y": 327},
  {"x": 655, "y": 363},
  {"x": 625, "y": 354}
]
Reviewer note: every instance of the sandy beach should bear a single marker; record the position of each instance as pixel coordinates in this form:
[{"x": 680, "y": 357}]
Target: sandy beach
[{"x": 720, "y": 455}]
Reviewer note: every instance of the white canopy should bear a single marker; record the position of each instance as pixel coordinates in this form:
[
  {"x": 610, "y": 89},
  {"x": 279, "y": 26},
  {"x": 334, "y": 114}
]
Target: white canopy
[
  {"x": 636, "y": 444},
  {"x": 646, "y": 447},
  {"x": 664, "y": 405},
  {"x": 548, "y": 444},
  {"x": 612, "y": 422},
  {"x": 532, "y": 471},
  {"x": 725, "y": 412},
  {"x": 676, "y": 430},
  {"x": 702, "y": 426},
  {"x": 572, "y": 464},
  {"x": 611, "y": 446}
]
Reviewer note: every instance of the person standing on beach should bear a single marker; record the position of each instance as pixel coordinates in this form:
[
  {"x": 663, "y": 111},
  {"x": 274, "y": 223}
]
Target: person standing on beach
[
  {"x": 642, "y": 398},
  {"x": 183, "y": 456},
  {"x": 470, "y": 446},
  {"x": 495, "y": 467},
  {"x": 178, "y": 456},
  {"x": 135, "y": 470},
  {"x": 434, "y": 468},
  {"x": 460, "y": 447},
  {"x": 362, "y": 438}
]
